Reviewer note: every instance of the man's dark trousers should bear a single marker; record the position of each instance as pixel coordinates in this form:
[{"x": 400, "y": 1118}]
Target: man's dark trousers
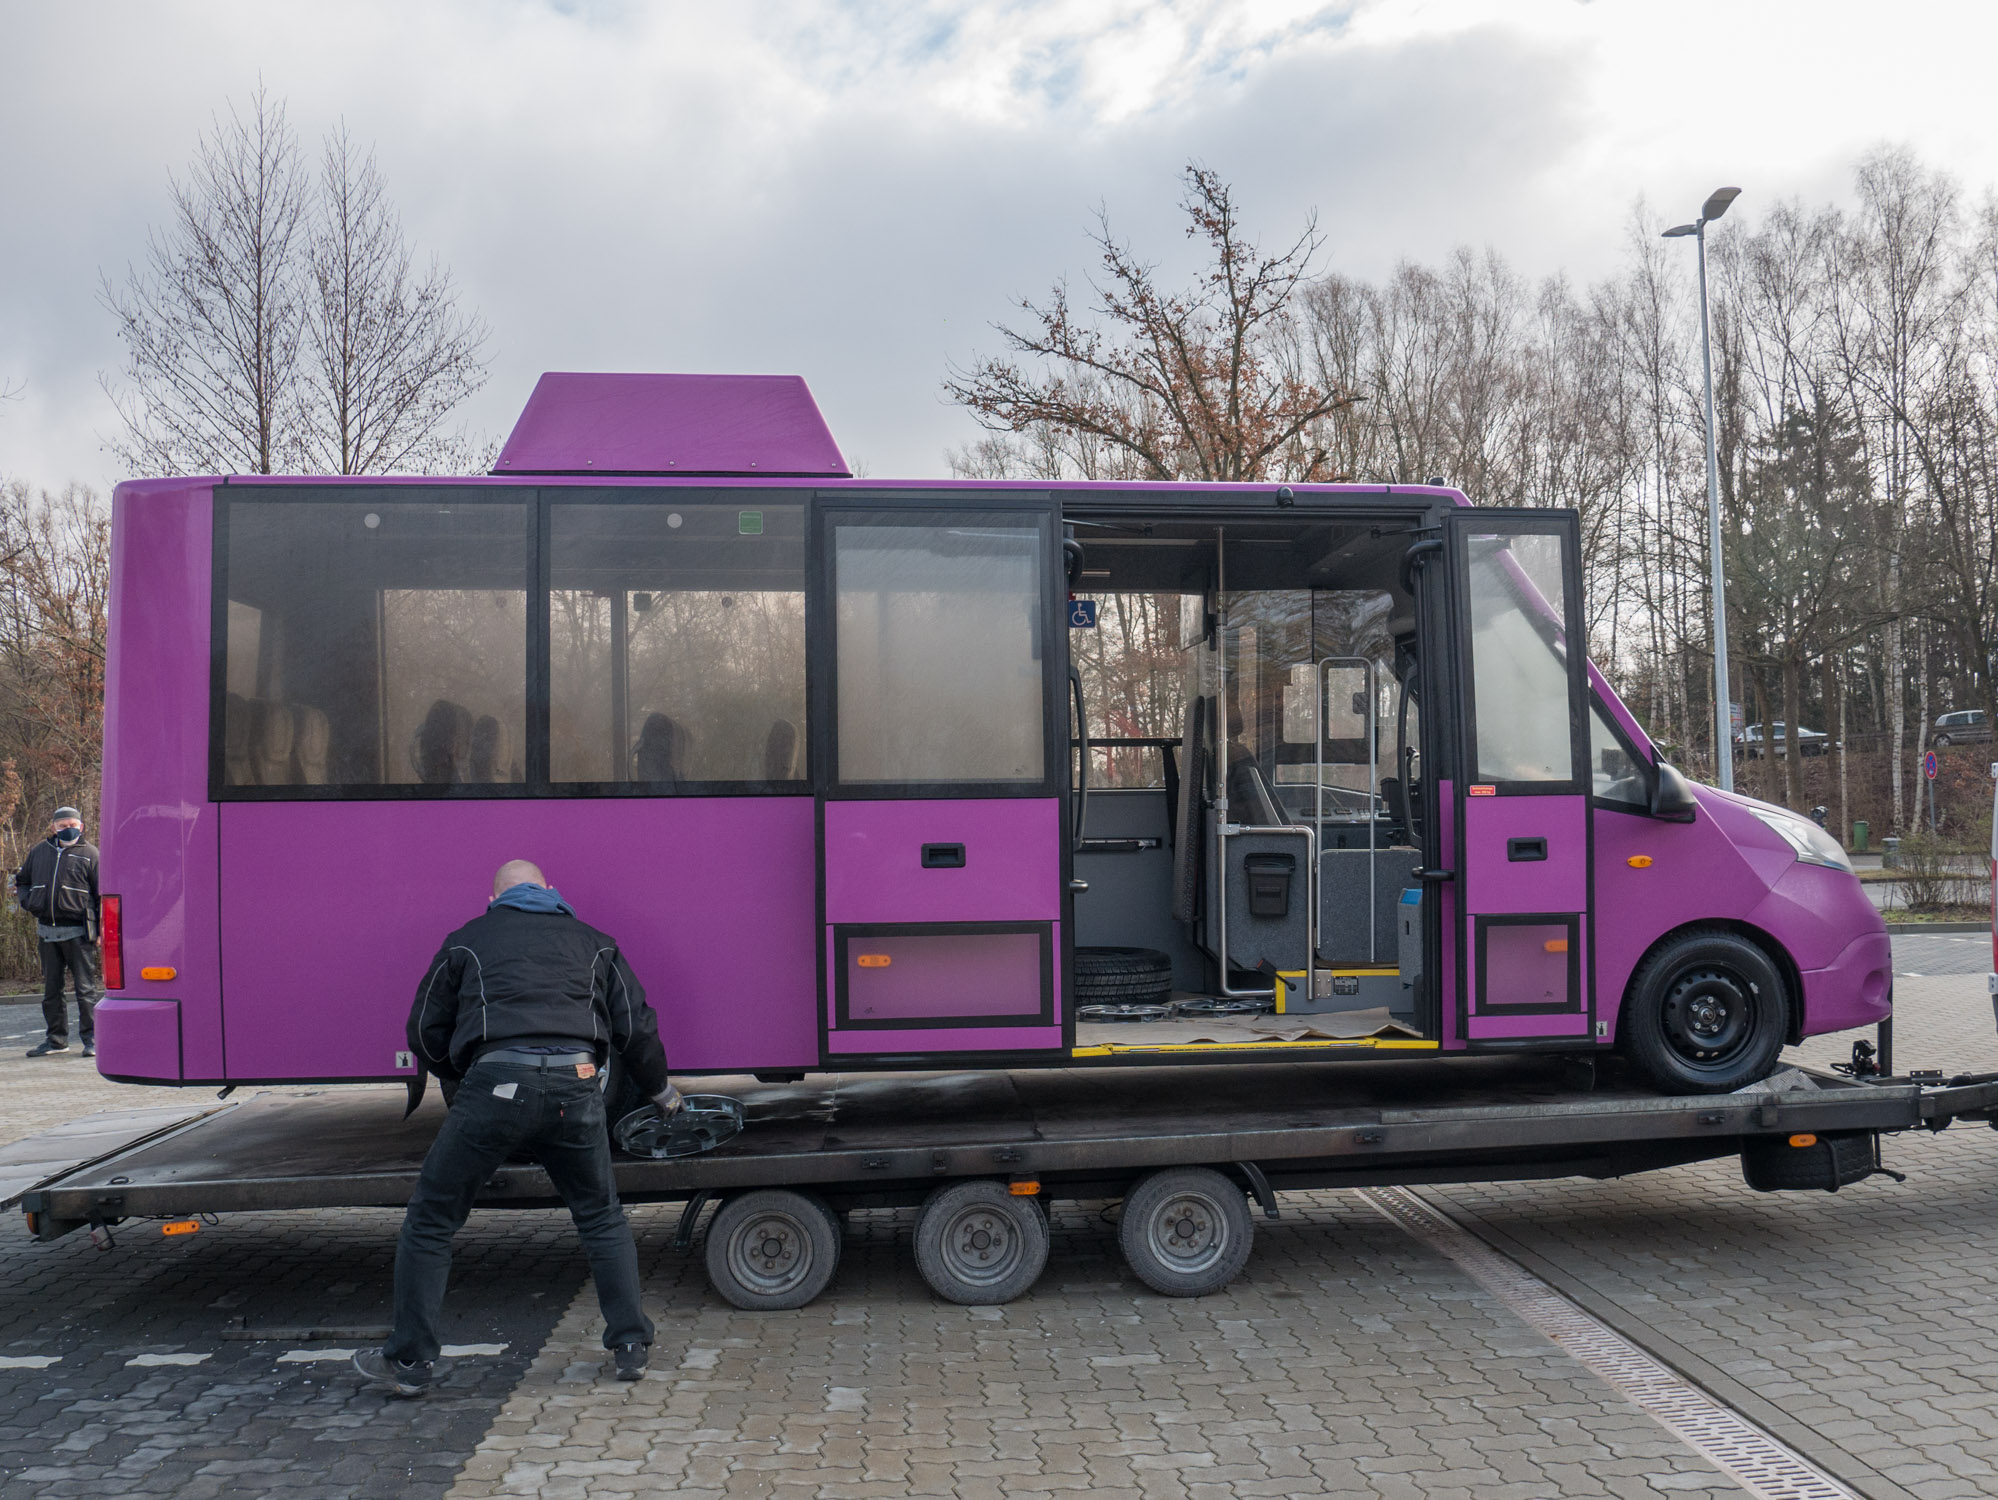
[
  {"x": 504, "y": 1109},
  {"x": 78, "y": 957}
]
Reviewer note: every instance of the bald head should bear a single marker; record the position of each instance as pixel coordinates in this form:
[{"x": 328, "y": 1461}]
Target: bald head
[{"x": 517, "y": 872}]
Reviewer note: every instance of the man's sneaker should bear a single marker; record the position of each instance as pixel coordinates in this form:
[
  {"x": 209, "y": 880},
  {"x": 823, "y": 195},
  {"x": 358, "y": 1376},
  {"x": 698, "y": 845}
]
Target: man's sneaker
[
  {"x": 47, "y": 1047},
  {"x": 409, "y": 1379},
  {"x": 631, "y": 1360},
  {"x": 90, "y": 1049}
]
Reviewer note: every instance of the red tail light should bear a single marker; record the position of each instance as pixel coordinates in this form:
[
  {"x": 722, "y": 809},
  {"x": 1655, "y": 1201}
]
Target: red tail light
[{"x": 113, "y": 944}]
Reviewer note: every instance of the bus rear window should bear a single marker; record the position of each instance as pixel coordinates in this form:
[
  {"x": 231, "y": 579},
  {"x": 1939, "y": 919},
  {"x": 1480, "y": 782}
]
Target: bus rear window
[{"x": 378, "y": 642}]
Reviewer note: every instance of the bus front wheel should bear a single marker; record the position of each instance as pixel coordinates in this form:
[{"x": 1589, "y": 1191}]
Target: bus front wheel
[{"x": 1707, "y": 1014}]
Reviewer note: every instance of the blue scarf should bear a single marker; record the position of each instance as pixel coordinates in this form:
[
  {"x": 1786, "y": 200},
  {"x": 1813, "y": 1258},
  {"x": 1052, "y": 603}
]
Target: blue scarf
[{"x": 543, "y": 898}]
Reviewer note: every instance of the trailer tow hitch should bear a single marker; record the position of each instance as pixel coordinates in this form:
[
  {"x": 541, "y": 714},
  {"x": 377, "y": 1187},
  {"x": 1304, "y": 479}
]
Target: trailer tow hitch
[{"x": 1863, "y": 1064}]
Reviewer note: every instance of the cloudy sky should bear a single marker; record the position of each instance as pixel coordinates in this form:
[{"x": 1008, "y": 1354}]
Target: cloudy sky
[{"x": 855, "y": 191}]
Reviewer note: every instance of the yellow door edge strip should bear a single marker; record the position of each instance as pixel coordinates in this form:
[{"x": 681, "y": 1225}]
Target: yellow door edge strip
[{"x": 1356, "y": 1044}]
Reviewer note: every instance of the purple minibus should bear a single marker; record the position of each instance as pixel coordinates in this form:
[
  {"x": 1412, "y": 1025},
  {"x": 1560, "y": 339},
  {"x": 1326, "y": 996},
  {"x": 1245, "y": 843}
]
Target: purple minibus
[{"x": 897, "y": 775}]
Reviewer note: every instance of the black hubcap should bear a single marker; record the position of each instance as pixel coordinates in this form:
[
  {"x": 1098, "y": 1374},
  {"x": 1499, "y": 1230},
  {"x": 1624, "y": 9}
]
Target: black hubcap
[{"x": 1709, "y": 1016}]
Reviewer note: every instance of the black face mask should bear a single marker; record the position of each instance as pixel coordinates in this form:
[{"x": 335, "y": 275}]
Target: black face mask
[{"x": 68, "y": 835}]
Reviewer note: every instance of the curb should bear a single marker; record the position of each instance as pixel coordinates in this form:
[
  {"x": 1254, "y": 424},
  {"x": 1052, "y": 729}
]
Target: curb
[{"x": 1940, "y": 929}]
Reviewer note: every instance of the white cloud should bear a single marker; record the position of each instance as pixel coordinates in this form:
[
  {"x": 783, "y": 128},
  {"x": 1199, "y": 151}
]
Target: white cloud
[{"x": 855, "y": 191}]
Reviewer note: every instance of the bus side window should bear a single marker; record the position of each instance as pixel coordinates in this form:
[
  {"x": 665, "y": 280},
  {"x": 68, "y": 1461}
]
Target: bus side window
[{"x": 677, "y": 643}]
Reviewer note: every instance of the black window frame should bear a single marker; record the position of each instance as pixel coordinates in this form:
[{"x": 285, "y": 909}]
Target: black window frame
[
  {"x": 952, "y": 508},
  {"x": 539, "y": 502}
]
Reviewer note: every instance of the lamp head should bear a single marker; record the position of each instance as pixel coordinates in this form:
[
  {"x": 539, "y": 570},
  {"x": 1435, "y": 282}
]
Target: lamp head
[
  {"x": 1677, "y": 230},
  {"x": 1717, "y": 203}
]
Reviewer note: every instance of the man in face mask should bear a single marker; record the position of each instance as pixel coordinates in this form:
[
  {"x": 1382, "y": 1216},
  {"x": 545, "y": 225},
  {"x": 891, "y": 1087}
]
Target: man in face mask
[{"x": 57, "y": 886}]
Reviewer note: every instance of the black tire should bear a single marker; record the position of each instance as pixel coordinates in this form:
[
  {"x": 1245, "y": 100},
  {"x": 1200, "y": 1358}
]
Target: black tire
[
  {"x": 1112, "y": 976},
  {"x": 979, "y": 1245},
  {"x": 1706, "y": 1013},
  {"x": 1186, "y": 1231},
  {"x": 1942, "y": 742},
  {"x": 772, "y": 1249}
]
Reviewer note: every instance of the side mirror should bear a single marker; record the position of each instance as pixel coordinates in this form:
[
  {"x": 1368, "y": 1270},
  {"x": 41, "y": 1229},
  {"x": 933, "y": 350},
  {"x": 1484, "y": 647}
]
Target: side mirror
[{"x": 1672, "y": 796}]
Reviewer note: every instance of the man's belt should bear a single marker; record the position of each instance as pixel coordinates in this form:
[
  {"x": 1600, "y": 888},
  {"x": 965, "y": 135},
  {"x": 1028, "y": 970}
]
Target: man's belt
[{"x": 521, "y": 1057}]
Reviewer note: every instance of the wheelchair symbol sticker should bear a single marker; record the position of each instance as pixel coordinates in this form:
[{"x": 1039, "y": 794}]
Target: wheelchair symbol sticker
[{"x": 1082, "y": 614}]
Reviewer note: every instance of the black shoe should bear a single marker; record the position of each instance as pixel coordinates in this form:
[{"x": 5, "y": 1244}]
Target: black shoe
[
  {"x": 631, "y": 1360},
  {"x": 409, "y": 1379},
  {"x": 47, "y": 1047},
  {"x": 90, "y": 1049}
]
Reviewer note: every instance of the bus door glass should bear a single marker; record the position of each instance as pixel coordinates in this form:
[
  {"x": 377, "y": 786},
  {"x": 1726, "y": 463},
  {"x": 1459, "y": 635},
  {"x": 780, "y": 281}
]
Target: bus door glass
[
  {"x": 942, "y": 849},
  {"x": 1522, "y": 808}
]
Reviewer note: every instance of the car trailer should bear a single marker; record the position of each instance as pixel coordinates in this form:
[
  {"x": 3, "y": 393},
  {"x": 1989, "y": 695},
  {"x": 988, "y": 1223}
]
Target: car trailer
[{"x": 1186, "y": 1149}]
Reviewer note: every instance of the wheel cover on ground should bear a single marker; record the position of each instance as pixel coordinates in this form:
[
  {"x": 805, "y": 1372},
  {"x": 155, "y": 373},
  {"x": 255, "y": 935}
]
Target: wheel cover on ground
[
  {"x": 1188, "y": 1233},
  {"x": 771, "y": 1253},
  {"x": 1709, "y": 1016}
]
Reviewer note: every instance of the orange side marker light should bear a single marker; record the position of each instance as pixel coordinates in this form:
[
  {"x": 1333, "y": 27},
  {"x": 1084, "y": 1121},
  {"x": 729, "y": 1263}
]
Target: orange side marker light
[
  {"x": 874, "y": 960},
  {"x": 1639, "y": 861},
  {"x": 1556, "y": 945},
  {"x": 1024, "y": 1187},
  {"x": 181, "y": 1226},
  {"x": 1803, "y": 1140},
  {"x": 158, "y": 971}
]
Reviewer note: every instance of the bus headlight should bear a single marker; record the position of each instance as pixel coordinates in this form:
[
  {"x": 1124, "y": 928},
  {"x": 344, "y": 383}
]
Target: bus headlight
[{"x": 1812, "y": 844}]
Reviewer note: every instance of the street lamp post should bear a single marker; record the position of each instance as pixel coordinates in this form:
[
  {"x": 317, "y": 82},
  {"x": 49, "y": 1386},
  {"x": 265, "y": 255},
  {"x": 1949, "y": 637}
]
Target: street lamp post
[{"x": 1712, "y": 209}]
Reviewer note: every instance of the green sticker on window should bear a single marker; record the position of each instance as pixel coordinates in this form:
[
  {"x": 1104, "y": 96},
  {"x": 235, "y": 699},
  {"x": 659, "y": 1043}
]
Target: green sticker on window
[{"x": 749, "y": 522}]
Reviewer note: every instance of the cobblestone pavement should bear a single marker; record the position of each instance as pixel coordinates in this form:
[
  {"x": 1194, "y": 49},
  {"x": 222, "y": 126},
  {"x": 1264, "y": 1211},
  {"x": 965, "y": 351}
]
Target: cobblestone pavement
[{"x": 1349, "y": 1359}]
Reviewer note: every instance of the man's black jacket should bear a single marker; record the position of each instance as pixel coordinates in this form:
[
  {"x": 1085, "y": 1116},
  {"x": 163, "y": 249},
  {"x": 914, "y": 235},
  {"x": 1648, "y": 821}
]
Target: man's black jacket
[
  {"x": 533, "y": 977},
  {"x": 57, "y": 884}
]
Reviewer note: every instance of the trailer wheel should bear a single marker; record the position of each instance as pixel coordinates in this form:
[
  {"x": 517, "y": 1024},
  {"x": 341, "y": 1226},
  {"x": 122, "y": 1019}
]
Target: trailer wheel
[
  {"x": 772, "y": 1249},
  {"x": 1186, "y": 1231},
  {"x": 979, "y": 1245},
  {"x": 1707, "y": 1014}
]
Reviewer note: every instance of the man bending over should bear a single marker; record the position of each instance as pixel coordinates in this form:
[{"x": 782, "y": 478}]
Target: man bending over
[{"x": 521, "y": 1007}]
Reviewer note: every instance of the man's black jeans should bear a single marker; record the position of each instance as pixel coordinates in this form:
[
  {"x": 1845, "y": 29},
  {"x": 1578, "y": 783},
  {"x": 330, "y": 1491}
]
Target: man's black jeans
[
  {"x": 502, "y": 1110},
  {"x": 77, "y": 957}
]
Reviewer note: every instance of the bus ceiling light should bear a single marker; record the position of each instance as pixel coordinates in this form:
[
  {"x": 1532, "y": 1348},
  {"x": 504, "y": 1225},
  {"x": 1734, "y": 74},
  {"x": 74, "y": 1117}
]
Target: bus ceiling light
[{"x": 161, "y": 972}]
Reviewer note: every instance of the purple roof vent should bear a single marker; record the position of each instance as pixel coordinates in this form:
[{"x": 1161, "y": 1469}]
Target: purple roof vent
[{"x": 672, "y": 424}]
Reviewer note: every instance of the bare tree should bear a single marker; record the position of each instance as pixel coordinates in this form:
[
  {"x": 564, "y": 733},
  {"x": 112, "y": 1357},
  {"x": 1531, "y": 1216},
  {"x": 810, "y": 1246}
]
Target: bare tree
[
  {"x": 211, "y": 325},
  {"x": 1198, "y": 384},
  {"x": 389, "y": 353}
]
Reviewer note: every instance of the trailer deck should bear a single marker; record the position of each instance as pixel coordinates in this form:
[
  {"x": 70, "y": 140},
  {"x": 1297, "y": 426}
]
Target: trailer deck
[{"x": 869, "y": 1140}]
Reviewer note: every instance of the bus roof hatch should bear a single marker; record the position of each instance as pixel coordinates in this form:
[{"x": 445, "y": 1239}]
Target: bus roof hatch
[{"x": 749, "y": 425}]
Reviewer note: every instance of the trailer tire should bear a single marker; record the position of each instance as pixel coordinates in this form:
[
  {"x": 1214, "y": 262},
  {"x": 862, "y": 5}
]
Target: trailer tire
[
  {"x": 772, "y": 1249},
  {"x": 1186, "y": 1231},
  {"x": 1707, "y": 1014},
  {"x": 979, "y": 1245}
]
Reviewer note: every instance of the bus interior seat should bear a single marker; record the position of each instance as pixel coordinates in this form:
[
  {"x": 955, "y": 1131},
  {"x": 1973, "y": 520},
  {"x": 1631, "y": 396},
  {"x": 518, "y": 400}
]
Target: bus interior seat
[
  {"x": 491, "y": 758},
  {"x": 236, "y": 726},
  {"x": 443, "y": 744},
  {"x": 662, "y": 750},
  {"x": 270, "y": 743},
  {"x": 310, "y": 735},
  {"x": 780, "y": 752}
]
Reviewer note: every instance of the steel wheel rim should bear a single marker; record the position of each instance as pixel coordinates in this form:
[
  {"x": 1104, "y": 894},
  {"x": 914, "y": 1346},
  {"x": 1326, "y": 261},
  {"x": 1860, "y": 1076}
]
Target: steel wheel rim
[
  {"x": 1188, "y": 1232},
  {"x": 981, "y": 1245},
  {"x": 771, "y": 1254},
  {"x": 1709, "y": 1016}
]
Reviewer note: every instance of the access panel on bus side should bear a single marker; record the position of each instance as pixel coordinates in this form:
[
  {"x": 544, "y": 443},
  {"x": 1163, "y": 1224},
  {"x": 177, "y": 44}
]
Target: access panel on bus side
[
  {"x": 1521, "y": 801},
  {"x": 942, "y": 851}
]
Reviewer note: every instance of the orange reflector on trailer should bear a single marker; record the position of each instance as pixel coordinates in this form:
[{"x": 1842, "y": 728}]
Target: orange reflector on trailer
[
  {"x": 158, "y": 971},
  {"x": 1024, "y": 1187},
  {"x": 1556, "y": 945},
  {"x": 181, "y": 1226},
  {"x": 1803, "y": 1140},
  {"x": 874, "y": 960},
  {"x": 1639, "y": 861}
]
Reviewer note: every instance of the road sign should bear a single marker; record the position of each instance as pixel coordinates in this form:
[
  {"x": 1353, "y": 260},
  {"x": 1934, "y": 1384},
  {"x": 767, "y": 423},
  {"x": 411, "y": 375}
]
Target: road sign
[
  {"x": 1082, "y": 614},
  {"x": 1929, "y": 765},
  {"x": 1736, "y": 718}
]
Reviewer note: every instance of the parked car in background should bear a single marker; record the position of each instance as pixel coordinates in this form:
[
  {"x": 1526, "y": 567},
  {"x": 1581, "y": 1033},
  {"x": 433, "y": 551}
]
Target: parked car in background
[
  {"x": 1809, "y": 741},
  {"x": 1967, "y": 726}
]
